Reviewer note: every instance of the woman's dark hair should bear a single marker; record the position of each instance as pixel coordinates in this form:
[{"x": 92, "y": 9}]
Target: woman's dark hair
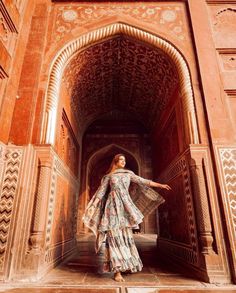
[{"x": 114, "y": 161}]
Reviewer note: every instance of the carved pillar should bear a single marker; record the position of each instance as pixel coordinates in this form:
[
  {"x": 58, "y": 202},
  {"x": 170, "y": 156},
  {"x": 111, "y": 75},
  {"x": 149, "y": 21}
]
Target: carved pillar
[
  {"x": 41, "y": 204},
  {"x": 201, "y": 205}
]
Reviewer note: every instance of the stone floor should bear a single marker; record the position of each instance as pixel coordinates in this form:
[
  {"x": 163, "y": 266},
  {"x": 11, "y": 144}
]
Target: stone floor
[{"x": 82, "y": 273}]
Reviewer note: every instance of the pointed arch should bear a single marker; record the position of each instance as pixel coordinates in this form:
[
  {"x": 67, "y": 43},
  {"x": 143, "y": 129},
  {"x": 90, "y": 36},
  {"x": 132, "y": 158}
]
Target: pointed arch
[
  {"x": 62, "y": 58},
  {"x": 103, "y": 151}
]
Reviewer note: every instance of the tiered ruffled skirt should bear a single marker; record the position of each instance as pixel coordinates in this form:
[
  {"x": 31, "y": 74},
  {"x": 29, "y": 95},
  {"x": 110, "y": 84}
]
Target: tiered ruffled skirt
[{"x": 120, "y": 252}]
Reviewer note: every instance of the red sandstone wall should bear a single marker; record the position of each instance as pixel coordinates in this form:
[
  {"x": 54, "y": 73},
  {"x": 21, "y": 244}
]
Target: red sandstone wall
[
  {"x": 15, "y": 22},
  {"x": 222, "y": 19},
  {"x": 167, "y": 144},
  {"x": 63, "y": 227},
  {"x": 208, "y": 46}
]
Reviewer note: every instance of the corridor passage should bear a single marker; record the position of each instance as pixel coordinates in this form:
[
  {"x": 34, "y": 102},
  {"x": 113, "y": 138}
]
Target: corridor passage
[{"x": 82, "y": 273}]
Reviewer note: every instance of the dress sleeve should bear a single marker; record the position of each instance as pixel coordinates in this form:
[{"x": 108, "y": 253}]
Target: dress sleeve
[
  {"x": 101, "y": 191},
  {"x": 137, "y": 179}
]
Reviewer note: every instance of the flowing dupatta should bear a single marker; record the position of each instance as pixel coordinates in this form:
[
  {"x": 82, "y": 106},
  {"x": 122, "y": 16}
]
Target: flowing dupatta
[{"x": 92, "y": 220}]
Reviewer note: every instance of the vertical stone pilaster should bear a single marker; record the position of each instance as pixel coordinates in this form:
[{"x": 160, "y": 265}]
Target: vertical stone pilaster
[
  {"x": 41, "y": 203},
  {"x": 202, "y": 206}
]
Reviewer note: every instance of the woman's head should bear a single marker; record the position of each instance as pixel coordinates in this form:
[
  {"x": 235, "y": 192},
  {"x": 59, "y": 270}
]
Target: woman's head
[{"x": 117, "y": 162}]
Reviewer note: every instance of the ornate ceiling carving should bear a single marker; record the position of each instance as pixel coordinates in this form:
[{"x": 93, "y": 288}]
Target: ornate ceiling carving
[{"x": 123, "y": 74}]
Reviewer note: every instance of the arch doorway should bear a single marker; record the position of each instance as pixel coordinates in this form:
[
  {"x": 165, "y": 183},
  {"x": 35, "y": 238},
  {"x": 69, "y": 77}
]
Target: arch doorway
[{"x": 127, "y": 90}]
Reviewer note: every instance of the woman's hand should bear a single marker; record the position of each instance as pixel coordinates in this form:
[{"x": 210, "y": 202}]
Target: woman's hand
[
  {"x": 159, "y": 185},
  {"x": 165, "y": 186}
]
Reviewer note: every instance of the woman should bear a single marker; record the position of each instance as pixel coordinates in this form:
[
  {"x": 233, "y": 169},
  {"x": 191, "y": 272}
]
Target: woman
[{"x": 111, "y": 215}]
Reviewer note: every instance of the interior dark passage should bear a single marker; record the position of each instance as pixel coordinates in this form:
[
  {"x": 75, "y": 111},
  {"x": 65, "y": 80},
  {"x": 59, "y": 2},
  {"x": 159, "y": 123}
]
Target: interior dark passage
[{"x": 125, "y": 96}]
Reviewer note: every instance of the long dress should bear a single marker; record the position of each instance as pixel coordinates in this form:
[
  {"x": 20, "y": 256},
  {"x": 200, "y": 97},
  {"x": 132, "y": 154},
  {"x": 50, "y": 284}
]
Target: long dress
[{"x": 113, "y": 219}]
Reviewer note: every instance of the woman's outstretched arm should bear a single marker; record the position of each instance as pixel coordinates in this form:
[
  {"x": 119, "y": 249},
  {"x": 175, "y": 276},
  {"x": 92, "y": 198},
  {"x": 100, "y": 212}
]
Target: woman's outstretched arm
[
  {"x": 138, "y": 179},
  {"x": 159, "y": 185}
]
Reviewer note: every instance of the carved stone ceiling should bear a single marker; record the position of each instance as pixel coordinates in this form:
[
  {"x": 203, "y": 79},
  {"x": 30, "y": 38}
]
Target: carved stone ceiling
[{"x": 122, "y": 74}]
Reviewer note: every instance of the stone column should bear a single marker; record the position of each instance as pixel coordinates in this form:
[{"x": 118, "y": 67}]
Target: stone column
[
  {"x": 201, "y": 205},
  {"x": 41, "y": 204}
]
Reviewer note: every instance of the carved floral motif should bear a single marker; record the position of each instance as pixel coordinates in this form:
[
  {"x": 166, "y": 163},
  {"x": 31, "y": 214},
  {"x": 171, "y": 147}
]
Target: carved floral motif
[
  {"x": 110, "y": 75},
  {"x": 68, "y": 17}
]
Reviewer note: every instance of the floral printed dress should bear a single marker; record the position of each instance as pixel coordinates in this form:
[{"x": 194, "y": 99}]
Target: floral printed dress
[{"x": 113, "y": 218}]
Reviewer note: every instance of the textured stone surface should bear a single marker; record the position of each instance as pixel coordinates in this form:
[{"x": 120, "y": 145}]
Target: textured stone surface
[
  {"x": 128, "y": 76},
  {"x": 80, "y": 274}
]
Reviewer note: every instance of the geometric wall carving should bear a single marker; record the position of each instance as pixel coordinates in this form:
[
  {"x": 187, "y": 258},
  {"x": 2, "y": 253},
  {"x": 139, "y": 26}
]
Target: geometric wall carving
[
  {"x": 179, "y": 170},
  {"x": 10, "y": 162},
  {"x": 228, "y": 165},
  {"x": 226, "y": 161},
  {"x": 17, "y": 191}
]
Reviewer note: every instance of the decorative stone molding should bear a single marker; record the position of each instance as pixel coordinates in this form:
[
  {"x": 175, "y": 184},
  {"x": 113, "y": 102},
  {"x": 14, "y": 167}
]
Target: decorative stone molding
[{"x": 60, "y": 61}]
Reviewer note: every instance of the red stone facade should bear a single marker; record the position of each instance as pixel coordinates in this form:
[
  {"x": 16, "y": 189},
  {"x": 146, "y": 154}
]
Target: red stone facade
[{"x": 82, "y": 81}]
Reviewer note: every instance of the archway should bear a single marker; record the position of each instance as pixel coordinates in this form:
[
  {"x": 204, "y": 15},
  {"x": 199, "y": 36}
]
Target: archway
[
  {"x": 150, "y": 85},
  {"x": 63, "y": 57}
]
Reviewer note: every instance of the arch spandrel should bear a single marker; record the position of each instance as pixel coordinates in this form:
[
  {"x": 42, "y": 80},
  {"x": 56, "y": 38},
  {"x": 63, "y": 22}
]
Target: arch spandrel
[{"x": 52, "y": 95}]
